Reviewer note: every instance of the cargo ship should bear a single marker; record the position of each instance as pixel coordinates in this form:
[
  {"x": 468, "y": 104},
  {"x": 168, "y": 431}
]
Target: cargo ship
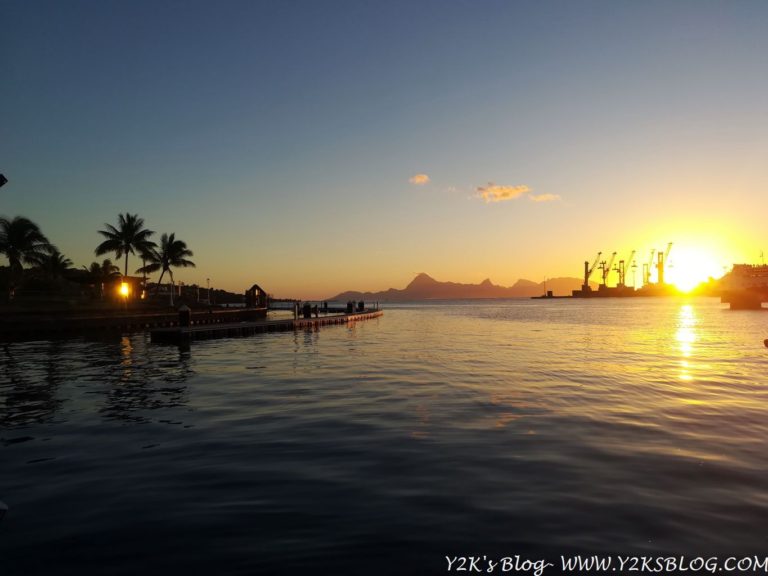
[{"x": 745, "y": 287}]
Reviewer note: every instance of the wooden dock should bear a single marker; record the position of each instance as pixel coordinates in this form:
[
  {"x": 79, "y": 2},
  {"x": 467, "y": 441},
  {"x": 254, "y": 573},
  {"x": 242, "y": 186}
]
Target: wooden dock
[{"x": 183, "y": 335}]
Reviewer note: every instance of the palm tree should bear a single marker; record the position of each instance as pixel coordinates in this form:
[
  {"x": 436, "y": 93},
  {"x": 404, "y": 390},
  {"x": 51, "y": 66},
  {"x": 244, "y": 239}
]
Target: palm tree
[
  {"x": 53, "y": 265},
  {"x": 101, "y": 274},
  {"x": 172, "y": 253},
  {"x": 129, "y": 236},
  {"x": 22, "y": 243}
]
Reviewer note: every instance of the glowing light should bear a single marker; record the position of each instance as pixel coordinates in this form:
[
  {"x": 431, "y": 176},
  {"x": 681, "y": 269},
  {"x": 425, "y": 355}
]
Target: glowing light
[
  {"x": 125, "y": 289},
  {"x": 688, "y": 267}
]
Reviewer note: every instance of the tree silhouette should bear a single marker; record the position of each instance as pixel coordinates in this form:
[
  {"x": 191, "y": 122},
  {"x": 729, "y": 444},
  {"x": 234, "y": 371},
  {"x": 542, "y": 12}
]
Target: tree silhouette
[
  {"x": 22, "y": 242},
  {"x": 129, "y": 237},
  {"x": 101, "y": 274},
  {"x": 53, "y": 265},
  {"x": 172, "y": 253}
]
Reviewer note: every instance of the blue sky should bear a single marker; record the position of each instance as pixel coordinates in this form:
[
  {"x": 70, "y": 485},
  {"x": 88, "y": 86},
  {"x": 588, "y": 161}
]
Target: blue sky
[{"x": 278, "y": 138}]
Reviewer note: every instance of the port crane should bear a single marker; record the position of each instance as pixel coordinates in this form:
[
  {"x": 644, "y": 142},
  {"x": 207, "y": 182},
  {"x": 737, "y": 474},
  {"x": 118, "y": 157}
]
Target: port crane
[
  {"x": 588, "y": 272},
  {"x": 606, "y": 268},
  {"x": 634, "y": 273},
  {"x": 662, "y": 258},
  {"x": 621, "y": 268},
  {"x": 647, "y": 268}
]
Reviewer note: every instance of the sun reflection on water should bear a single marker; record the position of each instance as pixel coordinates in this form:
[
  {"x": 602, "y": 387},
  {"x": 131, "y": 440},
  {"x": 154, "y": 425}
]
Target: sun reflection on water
[
  {"x": 126, "y": 358},
  {"x": 686, "y": 338}
]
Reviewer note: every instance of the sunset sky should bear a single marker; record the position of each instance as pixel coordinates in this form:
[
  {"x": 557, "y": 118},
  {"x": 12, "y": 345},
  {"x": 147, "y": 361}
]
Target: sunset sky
[{"x": 314, "y": 147}]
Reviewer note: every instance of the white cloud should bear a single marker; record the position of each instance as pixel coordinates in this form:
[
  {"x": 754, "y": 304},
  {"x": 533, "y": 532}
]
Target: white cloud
[
  {"x": 419, "y": 179},
  {"x": 543, "y": 197},
  {"x": 497, "y": 193}
]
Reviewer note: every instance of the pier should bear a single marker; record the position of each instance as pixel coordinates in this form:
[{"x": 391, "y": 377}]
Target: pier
[{"x": 187, "y": 334}]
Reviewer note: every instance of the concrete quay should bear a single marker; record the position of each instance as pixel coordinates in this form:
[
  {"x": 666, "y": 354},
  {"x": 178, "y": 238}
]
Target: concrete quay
[{"x": 188, "y": 334}]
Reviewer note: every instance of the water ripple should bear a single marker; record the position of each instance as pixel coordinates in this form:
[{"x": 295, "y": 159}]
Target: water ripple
[{"x": 507, "y": 427}]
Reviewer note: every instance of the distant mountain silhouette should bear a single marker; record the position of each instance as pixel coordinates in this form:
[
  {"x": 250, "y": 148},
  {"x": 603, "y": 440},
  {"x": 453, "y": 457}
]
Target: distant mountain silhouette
[{"x": 424, "y": 287}]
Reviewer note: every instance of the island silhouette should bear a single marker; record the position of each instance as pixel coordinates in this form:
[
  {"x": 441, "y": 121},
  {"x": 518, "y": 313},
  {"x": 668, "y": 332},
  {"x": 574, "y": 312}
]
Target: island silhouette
[{"x": 424, "y": 287}]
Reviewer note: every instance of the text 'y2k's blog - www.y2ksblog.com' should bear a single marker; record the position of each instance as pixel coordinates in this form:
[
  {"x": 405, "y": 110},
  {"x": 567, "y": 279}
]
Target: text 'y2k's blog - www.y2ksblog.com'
[{"x": 615, "y": 565}]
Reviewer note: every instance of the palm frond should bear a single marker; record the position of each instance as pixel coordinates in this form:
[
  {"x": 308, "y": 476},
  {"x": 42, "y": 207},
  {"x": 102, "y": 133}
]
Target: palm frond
[{"x": 127, "y": 238}]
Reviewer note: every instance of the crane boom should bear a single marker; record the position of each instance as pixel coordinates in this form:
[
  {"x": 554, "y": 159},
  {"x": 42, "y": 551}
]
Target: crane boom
[
  {"x": 606, "y": 267},
  {"x": 592, "y": 268},
  {"x": 647, "y": 268},
  {"x": 631, "y": 258},
  {"x": 610, "y": 263},
  {"x": 588, "y": 272},
  {"x": 622, "y": 268}
]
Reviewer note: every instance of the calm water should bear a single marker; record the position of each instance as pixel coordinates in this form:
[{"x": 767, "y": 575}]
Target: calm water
[{"x": 517, "y": 427}]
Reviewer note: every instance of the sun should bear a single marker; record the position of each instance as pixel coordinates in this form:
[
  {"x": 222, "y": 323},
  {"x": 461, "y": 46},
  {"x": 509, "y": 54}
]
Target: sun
[{"x": 689, "y": 266}]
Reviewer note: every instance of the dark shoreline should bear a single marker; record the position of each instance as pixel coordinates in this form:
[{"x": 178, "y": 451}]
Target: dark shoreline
[{"x": 22, "y": 325}]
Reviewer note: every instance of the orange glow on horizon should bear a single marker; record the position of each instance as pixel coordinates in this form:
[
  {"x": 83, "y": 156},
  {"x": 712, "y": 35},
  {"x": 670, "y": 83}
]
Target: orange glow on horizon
[{"x": 690, "y": 266}]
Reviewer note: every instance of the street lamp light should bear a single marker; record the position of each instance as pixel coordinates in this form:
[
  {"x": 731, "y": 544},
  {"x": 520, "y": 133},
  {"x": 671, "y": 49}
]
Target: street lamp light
[{"x": 125, "y": 290}]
